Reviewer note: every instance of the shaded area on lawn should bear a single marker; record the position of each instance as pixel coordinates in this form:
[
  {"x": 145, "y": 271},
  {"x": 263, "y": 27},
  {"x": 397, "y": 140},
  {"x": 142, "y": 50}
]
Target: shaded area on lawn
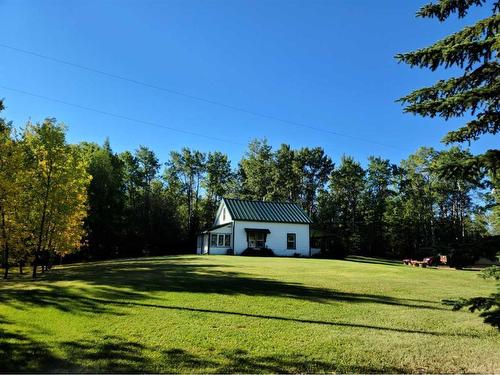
[
  {"x": 283, "y": 318},
  {"x": 114, "y": 354},
  {"x": 20, "y": 353},
  {"x": 368, "y": 260},
  {"x": 108, "y": 287},
  {"x": 123, "y": 281}
]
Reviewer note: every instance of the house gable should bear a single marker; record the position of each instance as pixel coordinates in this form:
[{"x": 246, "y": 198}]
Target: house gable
[{"x": 222, "y": 216}]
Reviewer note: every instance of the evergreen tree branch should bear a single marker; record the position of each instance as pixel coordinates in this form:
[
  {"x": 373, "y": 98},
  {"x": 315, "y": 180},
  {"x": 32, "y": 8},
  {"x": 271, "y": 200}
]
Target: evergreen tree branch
[
  {"x": 487, "y": 122},
  {"x": 474, "y": 44},
  {"x": 444, "y": 8},
  {"x": 484, "y": 75},
  {"x": 459, "y": 104}
]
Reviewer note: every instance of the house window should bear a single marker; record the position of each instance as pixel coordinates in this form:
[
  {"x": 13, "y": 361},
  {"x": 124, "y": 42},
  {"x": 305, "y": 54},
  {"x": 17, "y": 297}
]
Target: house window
[
  {"x": 291, "y": 241},
  {"x": 223, "y": 214},
  {"x": 220, "y": 240}
]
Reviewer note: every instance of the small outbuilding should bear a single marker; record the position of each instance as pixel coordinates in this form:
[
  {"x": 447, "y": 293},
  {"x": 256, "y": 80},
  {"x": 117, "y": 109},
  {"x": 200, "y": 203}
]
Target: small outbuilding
[{"x": 240, "y": 224}]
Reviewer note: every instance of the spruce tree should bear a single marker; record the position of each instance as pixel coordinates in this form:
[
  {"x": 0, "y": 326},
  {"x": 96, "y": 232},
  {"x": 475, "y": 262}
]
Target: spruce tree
[{"x": 474, "y": 49}]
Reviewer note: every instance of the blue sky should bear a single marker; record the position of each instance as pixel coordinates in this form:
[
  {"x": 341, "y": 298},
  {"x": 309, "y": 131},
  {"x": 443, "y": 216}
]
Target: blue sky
[{"x": 326, "y": 64}]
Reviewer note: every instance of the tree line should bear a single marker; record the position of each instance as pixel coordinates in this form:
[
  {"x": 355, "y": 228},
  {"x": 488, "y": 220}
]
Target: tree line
[{"x": 86, "y": 202}]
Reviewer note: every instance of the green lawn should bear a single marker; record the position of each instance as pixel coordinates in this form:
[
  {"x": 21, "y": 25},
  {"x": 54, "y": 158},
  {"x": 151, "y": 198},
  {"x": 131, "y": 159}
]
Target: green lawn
[{"x": 228, "y": 314}]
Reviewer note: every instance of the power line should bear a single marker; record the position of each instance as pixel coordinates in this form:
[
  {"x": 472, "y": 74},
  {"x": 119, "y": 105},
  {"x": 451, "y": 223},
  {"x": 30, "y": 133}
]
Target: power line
[
  {"x": 192, "y": 97},
  {"x": 123, "y": 117}
]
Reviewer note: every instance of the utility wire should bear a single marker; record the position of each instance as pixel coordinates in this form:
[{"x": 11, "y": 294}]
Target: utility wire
[
  {"x": 123, "y": 117},
  {"x": 192, "y": 97}
]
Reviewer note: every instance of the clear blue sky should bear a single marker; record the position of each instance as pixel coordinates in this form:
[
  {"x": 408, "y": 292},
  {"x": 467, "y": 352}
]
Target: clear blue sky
[{"x": 328, "y": 64}]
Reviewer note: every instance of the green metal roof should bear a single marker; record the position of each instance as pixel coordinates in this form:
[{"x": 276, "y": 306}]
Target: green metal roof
[{"x": 275, "y": 212}]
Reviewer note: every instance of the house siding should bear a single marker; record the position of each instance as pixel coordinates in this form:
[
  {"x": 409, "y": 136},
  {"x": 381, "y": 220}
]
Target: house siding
[
  {"x": 220, "y": 218},
  {"x": 276, "y": 240},
  {"x": 215, "y": 250}
]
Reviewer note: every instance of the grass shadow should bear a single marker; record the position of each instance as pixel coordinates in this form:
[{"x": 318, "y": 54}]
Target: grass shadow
[
  {"x": 286, "y": 319},
  {"x": 112, "y": 354},
  {"x": 20, "y": 353},
  {"x": 108, "y": 285},
  {"x": 370, "y": 260},
  {"x": 132, "y": 281}
]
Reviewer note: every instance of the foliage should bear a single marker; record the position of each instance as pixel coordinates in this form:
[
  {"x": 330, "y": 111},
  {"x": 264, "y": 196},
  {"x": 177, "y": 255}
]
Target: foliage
[
  {"x": 475, "y": 50},
  {"x": 432, "y": 202},
  {"x": 56, "y": 201},
  {"x": 284, "y": 175},
  {"x": 342, "y": 204},
  {"x": 11, "y": 228},
  {"x": 188, "y": 168}
]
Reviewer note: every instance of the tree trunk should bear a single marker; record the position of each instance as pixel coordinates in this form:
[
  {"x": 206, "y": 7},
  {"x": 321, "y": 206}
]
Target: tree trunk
[
  {"x": 6, "y": 248},
  {"x": 21, "y": 268},
  {"x": 6, "y": 263},
  {"x": 34, "y": 266},
  {"x": 190, "y": 202},
  {"x": 42, "y": 222}
]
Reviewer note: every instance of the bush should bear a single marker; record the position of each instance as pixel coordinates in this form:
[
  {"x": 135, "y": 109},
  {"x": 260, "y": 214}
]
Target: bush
[
  {"x": 258, "y": 252},
  {"x": 332, "y": 247},
  {"x": 460, "y": 258},
  {"x": 463, "y": 255}
]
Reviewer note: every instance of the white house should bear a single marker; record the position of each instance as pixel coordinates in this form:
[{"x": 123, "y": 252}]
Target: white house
[{"x": 242, "y": 224}]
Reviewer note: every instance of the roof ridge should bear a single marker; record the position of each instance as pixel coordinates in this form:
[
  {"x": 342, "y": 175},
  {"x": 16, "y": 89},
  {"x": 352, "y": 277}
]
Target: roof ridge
[{"x": 259, "y": 201}]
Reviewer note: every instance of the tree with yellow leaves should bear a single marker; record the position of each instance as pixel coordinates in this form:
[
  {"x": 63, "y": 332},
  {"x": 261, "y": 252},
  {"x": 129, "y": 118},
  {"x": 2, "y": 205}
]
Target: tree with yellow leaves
[
  {"x": 10, "y": 162},
  {"x": 55, "y": 191}
]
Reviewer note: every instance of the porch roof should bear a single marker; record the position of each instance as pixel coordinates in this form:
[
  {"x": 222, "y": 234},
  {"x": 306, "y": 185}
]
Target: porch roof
[
  {"x": 257, "y": 230},
  {"x": 215, "y": 227}
]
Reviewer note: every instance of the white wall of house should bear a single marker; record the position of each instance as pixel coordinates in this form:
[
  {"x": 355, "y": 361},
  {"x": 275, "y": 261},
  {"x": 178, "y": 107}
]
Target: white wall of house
[
  {"x": 202, "y": 244},
  {"x": 222, "y": 215},
  {"x": 276, "y": 240}
]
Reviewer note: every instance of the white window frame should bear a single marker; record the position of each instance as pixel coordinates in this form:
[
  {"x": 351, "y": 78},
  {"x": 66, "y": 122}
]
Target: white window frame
[{"x": 223, "y": 240}]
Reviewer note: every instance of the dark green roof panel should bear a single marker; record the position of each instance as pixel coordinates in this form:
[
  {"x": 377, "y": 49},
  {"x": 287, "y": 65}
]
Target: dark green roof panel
[{"x": 275, "y": 212}]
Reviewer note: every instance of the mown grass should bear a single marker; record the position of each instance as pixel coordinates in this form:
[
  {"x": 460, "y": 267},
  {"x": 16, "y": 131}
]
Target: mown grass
[{"x": 235, "y": 314}]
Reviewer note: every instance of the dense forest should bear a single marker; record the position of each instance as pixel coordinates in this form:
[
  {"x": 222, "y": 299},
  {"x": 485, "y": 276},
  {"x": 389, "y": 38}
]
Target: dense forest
[{"x": 61, "y": 201}]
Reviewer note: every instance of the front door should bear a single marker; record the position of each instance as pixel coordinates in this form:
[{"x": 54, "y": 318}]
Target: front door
[{"x": 256, "y": 240}]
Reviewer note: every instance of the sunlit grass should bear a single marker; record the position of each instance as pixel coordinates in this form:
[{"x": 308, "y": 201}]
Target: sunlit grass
[{"x": 227, "y": 314}]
